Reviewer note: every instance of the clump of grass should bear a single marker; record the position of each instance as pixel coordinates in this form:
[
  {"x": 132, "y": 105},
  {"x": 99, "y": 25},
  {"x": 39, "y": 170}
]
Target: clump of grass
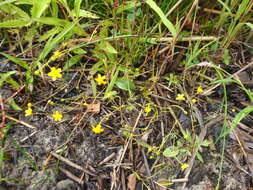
[{"x": 121, "y": 51}]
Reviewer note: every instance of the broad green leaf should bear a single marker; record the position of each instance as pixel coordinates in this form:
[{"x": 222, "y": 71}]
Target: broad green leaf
[
  {"x": 17, "y": 61},
  {"x": 165, "y": 21},
  {"x": 14, "y": 23},
  {"x": 39, "y": 6},
  {"x": 171, "y": 151},
  {"x": 4, "y": 76},
  {"x": 73, "y": 60},
  {"x": 125, "y": 84}
]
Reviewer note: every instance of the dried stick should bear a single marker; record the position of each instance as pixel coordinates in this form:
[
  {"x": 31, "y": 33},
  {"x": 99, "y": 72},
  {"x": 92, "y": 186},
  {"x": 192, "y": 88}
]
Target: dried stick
[
  {"x": 71, "y": 176},
  {"x": 3, "y": 113},
  {"x": 72, "y": 164},
  {"x": 20, "y": 122}
]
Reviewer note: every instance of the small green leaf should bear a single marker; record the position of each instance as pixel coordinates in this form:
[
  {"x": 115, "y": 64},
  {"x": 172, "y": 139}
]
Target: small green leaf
[
  {"x": 127, "y": 5},
  {"x": 106, "y": 46},
  {"x": 73, "y": 60},
  {"x": 110, "y": 95},
  {"x": 94, "y": 88},
  {"x": 13, "y": 83},
  {"x": 49, "y": 33},
  {"x": 171, "y": 151},
  {"x": 79, "y": 51},
  {"x": 14, "y": 105},
  {"x": 29, "y": 80},
  {"x": 125, "y": 84},
  {"x": 199, "y": 157},
  {"x": 205, "y": 143}
]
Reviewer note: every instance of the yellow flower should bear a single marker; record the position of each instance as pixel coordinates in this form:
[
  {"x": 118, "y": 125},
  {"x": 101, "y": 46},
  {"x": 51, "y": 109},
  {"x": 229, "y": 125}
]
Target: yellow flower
[
  {"x": 186, "y": 136},
  {"x": 50, "y": 102},
  {"x": 37, "y": 72},
  {"x": 194, "y": 100},
  {"x": 57, "y": 116},
  {"x": 233, "y": 110},
  {"x": 180, "y": 97},
  {"x": 97, "y": 129},
  {"x": 55, "y": 73},
  {"x": 147, "y": 109},
  {"x": 29, "y": 111},
  {"x": 199, "y": 90},
  {"x": 184, "y": 166},
  {"x": 101, "y": 80},
  {"x": 56, "y": 55}
]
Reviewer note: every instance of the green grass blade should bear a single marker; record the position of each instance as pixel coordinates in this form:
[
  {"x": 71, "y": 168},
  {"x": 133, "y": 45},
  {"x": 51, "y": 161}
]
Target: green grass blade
[
  {"x": 52, "y": 43},
  {"x": 39, "y": 7},
  {"x": 112, "y": 83},
  {"x": 165, "y": 21},
  {"x": 14, "y": 23},
  {"x": 17, "y": 61},
  {"x": 4, "y": 76},
  {"x": 7, "y": 2},
  {"x": 242, "y": 114},
  {"x": 77, "y": 5},
  {"x": 51, "y": 21},
  {"x": 73, "y": 60},
  {"x": 14, "y": 10},
  {"x": 249, "y": 25}
]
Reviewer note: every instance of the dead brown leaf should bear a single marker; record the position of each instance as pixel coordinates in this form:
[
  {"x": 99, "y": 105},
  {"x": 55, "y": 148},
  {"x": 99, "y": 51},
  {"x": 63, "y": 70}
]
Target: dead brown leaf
[
  {"x": 94, "y": 108},
  {"x": 131, "y": 182}
]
